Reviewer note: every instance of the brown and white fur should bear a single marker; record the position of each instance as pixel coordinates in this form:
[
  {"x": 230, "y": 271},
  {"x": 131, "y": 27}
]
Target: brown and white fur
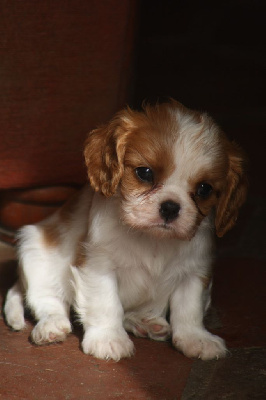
[{"x": 139, "y": 240}]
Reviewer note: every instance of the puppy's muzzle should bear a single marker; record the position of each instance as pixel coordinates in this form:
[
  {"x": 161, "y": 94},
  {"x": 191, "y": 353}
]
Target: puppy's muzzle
[{"x": 169, "y": 210}]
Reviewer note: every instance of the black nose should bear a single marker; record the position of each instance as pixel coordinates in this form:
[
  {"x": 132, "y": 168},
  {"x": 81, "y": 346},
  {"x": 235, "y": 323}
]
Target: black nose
[{"x": 169, "y": 210}]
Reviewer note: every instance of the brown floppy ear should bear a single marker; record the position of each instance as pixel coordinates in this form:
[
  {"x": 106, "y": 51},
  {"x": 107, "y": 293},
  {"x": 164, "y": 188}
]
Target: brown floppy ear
[
  {"x": 104, "y": 153},
  {"x": 234, "y": 192}
]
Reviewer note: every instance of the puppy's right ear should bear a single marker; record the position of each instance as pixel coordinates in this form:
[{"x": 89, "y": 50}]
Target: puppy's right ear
[{"x": 104, "y": 153}]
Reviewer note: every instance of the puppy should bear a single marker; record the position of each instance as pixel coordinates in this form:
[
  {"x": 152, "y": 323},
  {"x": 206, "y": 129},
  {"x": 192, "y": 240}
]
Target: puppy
[{"x": 138, "y": 241}]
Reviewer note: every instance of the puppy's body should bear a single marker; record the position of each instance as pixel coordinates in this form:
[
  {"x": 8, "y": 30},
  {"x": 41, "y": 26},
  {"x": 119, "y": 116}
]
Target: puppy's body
[{"x": 167, "y": 177}]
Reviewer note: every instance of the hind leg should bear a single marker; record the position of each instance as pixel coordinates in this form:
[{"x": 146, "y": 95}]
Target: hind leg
[
  {"x": 51, "y": 312},
  {"x": 46, "y": 277},
  {"x": 14, "y": 309},
  {"x": 154, "y": 328}
]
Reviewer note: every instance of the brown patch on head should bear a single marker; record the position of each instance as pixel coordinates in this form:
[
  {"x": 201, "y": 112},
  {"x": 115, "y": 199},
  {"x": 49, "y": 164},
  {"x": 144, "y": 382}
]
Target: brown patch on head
[
  {"x": 148, "y": 134},
  {"x": 149, "y": 145}
]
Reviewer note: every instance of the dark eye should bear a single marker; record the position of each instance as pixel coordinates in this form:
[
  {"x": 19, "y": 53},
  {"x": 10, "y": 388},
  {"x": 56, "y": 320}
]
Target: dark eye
[
  {"x": 204, "y": 190},
  {"x": 145, "y": 174}
]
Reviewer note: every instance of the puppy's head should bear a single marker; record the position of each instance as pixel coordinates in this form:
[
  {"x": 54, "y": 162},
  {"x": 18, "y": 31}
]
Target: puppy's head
[{"x": 171, "y": 167}]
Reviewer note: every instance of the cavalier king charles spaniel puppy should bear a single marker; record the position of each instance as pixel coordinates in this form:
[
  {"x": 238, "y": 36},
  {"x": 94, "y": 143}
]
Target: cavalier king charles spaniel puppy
[{"x": 136, "y": 245}]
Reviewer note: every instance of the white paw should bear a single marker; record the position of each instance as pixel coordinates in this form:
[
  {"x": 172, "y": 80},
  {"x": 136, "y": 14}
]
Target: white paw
[
  {"x": 53, "y": 328},
  {"x": 200, "y": 344},
  {"x": 14, "y": 309},
  {"x": 107, "y": 343},
  {"x": 15, "y": 319},
  {"x": 155, "y": 328}
]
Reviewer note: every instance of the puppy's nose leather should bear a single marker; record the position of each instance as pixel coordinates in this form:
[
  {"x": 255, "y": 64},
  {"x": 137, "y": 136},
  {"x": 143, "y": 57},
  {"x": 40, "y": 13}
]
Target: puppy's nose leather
[{"x": 169, "y": 210}]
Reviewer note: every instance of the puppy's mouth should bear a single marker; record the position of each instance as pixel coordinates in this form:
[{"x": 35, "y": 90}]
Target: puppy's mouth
[
  {"x": 166, "y": 226},
  {"x": 168, "y": 230}
]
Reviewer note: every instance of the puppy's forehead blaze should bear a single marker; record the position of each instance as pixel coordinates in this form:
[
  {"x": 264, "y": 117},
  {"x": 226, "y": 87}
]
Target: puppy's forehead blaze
[{"x": 200, "y": 155}]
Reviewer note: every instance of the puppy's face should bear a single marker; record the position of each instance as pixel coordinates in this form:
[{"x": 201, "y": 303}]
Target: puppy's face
[{"x": 171, "y": 167}]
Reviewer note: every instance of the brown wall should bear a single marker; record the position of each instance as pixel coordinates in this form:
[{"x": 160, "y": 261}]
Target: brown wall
[{"x": 64, "y": 69}]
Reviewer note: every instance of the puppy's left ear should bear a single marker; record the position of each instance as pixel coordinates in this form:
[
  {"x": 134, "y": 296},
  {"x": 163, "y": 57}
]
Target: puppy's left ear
[
  {"x": 104, "y": 153},
  {"x": 235, "y": 190}
]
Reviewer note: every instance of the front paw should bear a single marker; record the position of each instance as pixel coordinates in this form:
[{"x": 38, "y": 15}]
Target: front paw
[
  {"x": 200, "y": 344},
  {"x": 107, "y": 344},
  {"x": 53, "y": 328}
]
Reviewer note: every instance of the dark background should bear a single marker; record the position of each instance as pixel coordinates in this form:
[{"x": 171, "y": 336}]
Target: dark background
[{"x": 210, "y": 56}]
